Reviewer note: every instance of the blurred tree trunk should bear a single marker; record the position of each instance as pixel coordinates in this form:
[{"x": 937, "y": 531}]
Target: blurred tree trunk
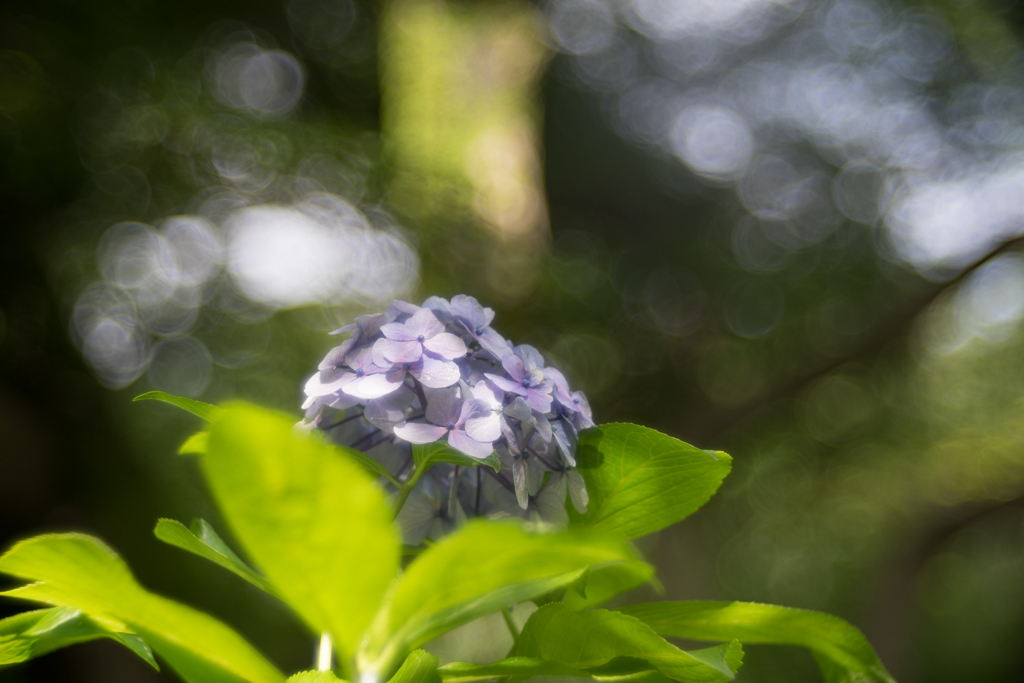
[{"x": 461, "y": 116}]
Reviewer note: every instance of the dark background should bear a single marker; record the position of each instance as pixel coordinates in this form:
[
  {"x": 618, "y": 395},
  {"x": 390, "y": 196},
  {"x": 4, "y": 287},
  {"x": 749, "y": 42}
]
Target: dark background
[{"x": 874, "y": 476}]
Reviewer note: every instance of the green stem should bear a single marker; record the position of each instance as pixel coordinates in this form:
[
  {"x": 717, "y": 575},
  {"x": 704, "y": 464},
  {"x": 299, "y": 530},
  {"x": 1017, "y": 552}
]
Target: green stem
[
  {"x": 406, "y": 489},
  {"x": 505, "y": 612},
  {"x": 453, "y": 492},
  {"x": 323, "y": 658}
]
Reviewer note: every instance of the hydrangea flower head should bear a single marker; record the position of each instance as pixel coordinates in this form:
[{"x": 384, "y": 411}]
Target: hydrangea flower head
[{"x": 439, "y": 373}]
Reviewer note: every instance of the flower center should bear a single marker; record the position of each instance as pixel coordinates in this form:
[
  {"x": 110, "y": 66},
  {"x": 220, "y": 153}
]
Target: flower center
[
  {"x": 360, "y": 372},
  {"x": 420, "y": 338},
  {"x": 450, "y": 426},
  {"x": 576, "y": 400},
  {"x": 526, "y": 382},
  {"x": 405, "y": 366},
  {"x": 479, "y": 331}
]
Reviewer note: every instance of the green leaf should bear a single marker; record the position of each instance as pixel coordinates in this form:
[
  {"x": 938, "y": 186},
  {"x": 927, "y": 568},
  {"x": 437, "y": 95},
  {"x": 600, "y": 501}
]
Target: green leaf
[
  {"x": 429, "y": 454},
  {"x": 480, "y": 569},
  {"x": 316, "y": 524},
  {"x": 315, "y": 677},
  {"x": 605, "y": 583},
  {"x": 81, "y": 573},
  {"x": 830, "y": 638},
  {"x": 371, "y": 466},
  {"x": 629, "y": 670},
  {"x": 624, "y": 669},
  {"x": 14, "y": 650},
  {"x": 597, "y": 639},
  {"x": 640, "y": 480},
  {"x": 418, "y": 667},
  {"x": 197, "y": 408},
  {"x": 202, "y": 540},
  {"x": 33, "y": 634},
  {"x": 195, "y": 444},
  {"x": 524, "y": 667}
]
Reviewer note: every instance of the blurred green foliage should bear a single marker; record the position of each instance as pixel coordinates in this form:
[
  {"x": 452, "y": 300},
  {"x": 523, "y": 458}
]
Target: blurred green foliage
[{"x": 878, "y": 468}]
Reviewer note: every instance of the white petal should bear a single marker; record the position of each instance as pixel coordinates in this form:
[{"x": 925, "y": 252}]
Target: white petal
[
  {"x": 437, "y": 373},
  {"x": 485, "y": 428},
  {"x": 374, "y": 386},
  {"x": 418, "y": 432},
  {"x": 317, "y": 387},
  {"x": 461, "y": 441},
  {"x": 446, "y": 345}
]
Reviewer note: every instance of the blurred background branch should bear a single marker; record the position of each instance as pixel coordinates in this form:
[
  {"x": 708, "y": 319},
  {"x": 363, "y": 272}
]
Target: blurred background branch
[{"x": 895, "y": 328}]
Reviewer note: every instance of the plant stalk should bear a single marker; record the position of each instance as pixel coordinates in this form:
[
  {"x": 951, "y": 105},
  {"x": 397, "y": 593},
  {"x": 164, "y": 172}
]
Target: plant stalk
[
  {"x": 507, "y": 614},
  {"x": 406, "y": 489},
  {"x": 323, "y": 656}
]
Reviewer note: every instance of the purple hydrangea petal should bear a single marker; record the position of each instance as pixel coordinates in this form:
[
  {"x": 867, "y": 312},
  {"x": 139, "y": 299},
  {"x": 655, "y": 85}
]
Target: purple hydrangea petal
[
  {"x": 402, "y": 307},
  {"x": 519, "y": 409},
  {"x": 387, "y": 411},
  {"x": 486, "y": 427},
  {"x": 436, "y": 373},
  {"x": 542, "y": 427},
  {"x": 536, "y": 378},
  {"x": 513, "y": 365},
  {"x": 578, "y": 491},
  {"x": 440, "y": 307},
  {"x": 419, "y": 432},
  {"x": 342, "y": 330},
  {"x": 340, "y": 401},
  {"x": 565, "y": 398},
  {"x": 579, "y": 399},
  {"x": 473, "y": 368},
  {"x": 315, "y": 386},
  {"x": 506, "y": 384},
  {"x": 424, "y": 324},
  {"x": 493, "y": 343},
  {"x": 398, "y": 332},
  {"x": 550, "y": 502},
  {"x": 470, "y": 310},
  {"x": 566, "y": 441},
  {"x": 532, "y": 359},
  {"x": 487, "y": 392},
  {"x": 377, "y": 354},
  {"x": 461, "y": 441},
  {"x": 472, "y": 408},
  {"x": 399, "y": 351},
  {"x": 359, "y": 357},
  {"x": 370, "y": 324},
  {"x": 558, "y": 379},
  {"x": 519, "y": 479},
  {"x": 332, "y": 375},
  {"x": 374, "y": 386},
  {"x": 534, "y": 476},
  {"x": 351, "y": 343},
  {"x": 446, "y": 345},
  {"x": 444, "y": 406},
  {"x": 539, "y": 400},
  {"x": 509, "y": 435},
  {"x": 571, "y": 431},
  {"x": 335, "y": 358}
]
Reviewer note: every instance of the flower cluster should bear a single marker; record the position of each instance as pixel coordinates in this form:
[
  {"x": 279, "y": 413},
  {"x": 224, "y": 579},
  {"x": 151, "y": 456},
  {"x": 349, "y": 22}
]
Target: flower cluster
[{"x": 440, "y": 373}]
